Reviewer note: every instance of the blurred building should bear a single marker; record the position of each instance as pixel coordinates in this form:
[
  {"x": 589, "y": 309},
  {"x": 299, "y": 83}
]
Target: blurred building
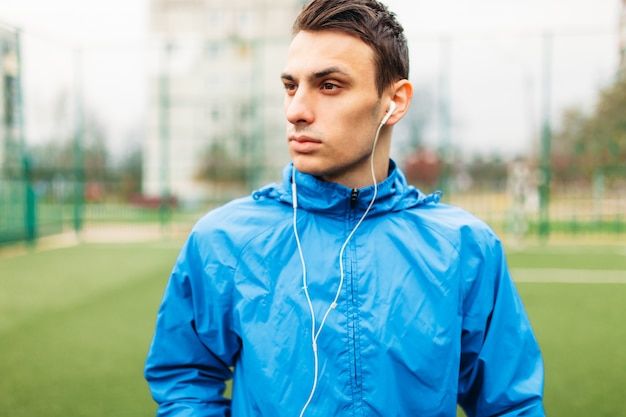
[
  {"x": 216, "y": 125},
  {"x": 10, "y": 100}
]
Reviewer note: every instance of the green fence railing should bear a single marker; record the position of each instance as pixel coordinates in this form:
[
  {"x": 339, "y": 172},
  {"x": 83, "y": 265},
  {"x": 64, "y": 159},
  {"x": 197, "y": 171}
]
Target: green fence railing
[{"x": 30, "y": 210}]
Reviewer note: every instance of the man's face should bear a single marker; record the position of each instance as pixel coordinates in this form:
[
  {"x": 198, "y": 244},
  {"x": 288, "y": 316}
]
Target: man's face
[{"x": 332, "y": 106}]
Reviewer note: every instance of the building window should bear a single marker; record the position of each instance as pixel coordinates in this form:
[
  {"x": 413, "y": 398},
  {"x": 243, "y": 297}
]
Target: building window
[
  {"x": 246, "y": 22},
  {"x": 216, "y": 21},
  {"x": 213, "y": 50}
]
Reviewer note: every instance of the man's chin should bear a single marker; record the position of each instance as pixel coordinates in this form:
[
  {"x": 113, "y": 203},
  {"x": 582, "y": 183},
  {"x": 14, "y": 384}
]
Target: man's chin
[
  {"x": 307, "y": 165},
  {"x": 305, "y": 169}
]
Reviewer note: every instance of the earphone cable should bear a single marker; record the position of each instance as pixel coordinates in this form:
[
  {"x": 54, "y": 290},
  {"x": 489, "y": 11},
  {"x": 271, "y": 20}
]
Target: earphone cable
[{"x": 315, "y": 334}]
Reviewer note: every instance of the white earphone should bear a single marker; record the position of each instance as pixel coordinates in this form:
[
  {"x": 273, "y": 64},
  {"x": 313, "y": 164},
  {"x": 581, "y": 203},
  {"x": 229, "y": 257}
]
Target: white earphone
[{"x": 392, "y": 108}]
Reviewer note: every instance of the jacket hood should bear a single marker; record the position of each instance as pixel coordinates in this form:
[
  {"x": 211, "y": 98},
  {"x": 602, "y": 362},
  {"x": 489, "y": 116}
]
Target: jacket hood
[{"x": 314, "y": 194}]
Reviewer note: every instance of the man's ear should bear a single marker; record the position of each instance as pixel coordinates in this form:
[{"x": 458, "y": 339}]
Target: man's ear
[{"x": 402, "y": 93}]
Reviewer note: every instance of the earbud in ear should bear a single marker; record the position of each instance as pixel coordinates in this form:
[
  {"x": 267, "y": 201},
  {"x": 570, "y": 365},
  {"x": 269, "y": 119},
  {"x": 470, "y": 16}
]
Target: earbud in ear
[{"x": 392, "y": 108}]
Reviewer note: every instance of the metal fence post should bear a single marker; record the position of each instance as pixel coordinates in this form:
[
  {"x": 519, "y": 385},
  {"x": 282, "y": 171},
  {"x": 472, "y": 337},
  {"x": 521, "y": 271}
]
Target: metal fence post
[
  {"x": 445, "y": 113},
  {"x": 164, "y": 136},
  {"x": 30, "y": 208},
  {"x": 30, "y": 217},
  {"x": 79, "y": 168},
  {"x": 546, "y": 139}
]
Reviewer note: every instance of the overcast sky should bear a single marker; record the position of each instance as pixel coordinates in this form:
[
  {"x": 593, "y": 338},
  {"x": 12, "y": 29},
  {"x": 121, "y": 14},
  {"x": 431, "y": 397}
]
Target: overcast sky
[
  {"x": 501, "y": 16},
  {"x": 492, "y": 62},
  {"x": 125, "y": 19},
  {"x": 495, "y": 61}
]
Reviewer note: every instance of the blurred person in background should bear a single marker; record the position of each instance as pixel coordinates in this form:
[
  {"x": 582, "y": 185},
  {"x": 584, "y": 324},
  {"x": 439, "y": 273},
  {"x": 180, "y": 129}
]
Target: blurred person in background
[{"x": 342, "y": 290}]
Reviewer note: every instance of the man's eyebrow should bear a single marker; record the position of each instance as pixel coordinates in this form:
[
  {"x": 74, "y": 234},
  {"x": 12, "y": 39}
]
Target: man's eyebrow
[
  {"x": 326, "y": 72},
  {"x": 316, "y": 75}
]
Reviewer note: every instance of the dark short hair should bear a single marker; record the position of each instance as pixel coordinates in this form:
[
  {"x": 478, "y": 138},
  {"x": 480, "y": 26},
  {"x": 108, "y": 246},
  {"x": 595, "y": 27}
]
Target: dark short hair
[{"x": 369, "y": 20}]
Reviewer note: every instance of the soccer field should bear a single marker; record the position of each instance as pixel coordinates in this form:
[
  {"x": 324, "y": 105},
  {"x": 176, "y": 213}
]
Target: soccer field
[{"x": 76, "y": 322}]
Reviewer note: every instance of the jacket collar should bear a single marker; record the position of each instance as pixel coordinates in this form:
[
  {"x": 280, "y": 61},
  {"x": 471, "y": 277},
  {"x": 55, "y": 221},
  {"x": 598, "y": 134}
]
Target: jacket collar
[{"x": 316, "y": 195}]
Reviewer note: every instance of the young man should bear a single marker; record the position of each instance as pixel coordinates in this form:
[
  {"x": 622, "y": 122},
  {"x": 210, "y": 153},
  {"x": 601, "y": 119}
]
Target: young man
[{"x": 343, "y": 291}]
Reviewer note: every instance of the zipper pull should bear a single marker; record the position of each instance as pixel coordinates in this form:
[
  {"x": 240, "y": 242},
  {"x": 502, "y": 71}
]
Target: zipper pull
[{"x": 353, "y": 197}]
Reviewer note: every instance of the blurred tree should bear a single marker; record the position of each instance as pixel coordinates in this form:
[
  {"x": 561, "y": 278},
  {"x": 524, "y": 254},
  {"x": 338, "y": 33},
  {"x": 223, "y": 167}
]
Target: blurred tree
[
  {"x": 53, "y": 160},
  {"x": 488, "y": 172},
  {"x": 589, "y": 144},
  {"x": 422, "y": 168},
  {"x": 421, "y": 164},
  {"x": 219, "y": 167},
  {"x": 96, "y": 155},
  {"x": 56, "y": 155},
  {"x": 608, "y": 125},
  {"x": 568, "y": 146},
  {"x": 129, "y": 173}
]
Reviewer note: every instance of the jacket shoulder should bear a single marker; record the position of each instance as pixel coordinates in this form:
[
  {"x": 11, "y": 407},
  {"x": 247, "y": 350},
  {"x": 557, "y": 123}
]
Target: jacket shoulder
[
  {"x": 241, "y": 219},
  {"x": 455, "y": 224}
]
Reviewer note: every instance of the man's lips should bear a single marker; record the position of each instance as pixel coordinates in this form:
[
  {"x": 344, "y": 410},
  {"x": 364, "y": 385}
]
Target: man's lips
[
  {"x": 303, "y": 139},
  {"x": 303, "y": 144}
]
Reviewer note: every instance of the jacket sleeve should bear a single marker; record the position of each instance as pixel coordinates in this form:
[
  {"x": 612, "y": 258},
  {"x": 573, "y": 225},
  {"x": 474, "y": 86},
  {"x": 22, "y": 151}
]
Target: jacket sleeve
[
  {"x": 501, "y": 372},
  {"x": 194, "y": 346}
]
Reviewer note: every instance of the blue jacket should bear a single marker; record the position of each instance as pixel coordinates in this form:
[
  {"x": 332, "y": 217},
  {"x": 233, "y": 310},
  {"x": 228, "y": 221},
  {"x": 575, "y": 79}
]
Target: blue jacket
[{"x": 427, "y": 316}]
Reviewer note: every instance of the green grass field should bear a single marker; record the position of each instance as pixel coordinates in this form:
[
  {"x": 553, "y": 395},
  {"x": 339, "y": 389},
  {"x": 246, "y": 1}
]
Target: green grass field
[{"x": 75, "y": 325}]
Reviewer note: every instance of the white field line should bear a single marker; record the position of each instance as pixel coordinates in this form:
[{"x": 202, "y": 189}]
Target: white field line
[{"x": 584, "y": 276}]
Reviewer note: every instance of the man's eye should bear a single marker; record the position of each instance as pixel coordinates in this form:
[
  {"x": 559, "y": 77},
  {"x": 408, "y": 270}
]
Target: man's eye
[
  {"x": 290, "y": 87},
  {"x": 329, "y": 86}
]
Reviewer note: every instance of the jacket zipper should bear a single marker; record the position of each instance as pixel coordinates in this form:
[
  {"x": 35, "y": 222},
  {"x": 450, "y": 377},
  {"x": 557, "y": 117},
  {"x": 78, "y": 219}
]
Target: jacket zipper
[{"x": 354, "y": 195}]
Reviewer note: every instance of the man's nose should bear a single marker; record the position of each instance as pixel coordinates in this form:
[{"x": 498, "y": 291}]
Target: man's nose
[{"x": 299, "y": 107}]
